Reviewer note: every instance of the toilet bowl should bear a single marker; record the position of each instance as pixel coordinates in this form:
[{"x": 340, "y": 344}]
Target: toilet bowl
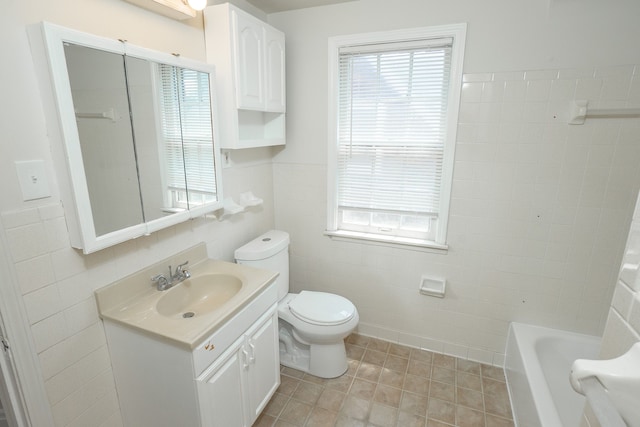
[
  {"x": 318, "y": 322},
  {"x": 312, "y": 325}
]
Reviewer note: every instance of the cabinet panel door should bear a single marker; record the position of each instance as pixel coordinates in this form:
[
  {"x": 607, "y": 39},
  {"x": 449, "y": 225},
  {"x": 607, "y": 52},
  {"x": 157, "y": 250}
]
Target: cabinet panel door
[
  {"x": 250, "y": 63},
  {"x": 264, "y": 370},
  {"x": 275, "y": 73},
  {"x": 221, "y": 401}
]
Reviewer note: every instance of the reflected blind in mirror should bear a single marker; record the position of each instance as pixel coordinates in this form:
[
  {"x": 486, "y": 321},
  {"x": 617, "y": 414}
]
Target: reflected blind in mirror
[{"x": 187, "y": 129}]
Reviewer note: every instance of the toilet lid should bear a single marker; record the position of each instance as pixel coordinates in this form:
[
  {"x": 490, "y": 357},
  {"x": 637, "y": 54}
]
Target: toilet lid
[{"x": 322, "y": 308}]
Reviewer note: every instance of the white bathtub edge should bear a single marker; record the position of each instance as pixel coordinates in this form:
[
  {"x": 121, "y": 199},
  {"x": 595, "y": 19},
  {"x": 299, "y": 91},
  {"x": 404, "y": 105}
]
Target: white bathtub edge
[{"x": 528, "y": 390}]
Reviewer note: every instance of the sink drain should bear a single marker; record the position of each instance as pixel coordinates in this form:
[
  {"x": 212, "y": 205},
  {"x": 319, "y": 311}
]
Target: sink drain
[{"x": 188, "y": 314}]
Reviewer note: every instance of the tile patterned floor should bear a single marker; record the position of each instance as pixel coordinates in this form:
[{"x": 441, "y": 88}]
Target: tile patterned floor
[{"x": 389, "y": 385}]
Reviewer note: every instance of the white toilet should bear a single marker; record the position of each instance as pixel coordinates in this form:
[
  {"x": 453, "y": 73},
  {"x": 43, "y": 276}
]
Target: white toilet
[{"x": 312, "y": 325}]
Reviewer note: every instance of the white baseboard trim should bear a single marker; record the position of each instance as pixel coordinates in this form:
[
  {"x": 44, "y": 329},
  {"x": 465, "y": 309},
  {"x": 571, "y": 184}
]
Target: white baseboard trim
[{"x": 480, "y": 355}]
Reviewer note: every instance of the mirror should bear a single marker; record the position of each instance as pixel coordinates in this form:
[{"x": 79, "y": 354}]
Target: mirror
[
  {"x": 138, "y": 133},
  {"x": 101, "y": 106}
]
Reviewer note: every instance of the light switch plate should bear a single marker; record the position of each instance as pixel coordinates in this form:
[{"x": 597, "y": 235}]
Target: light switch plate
[{"x": 33, "y": 179}]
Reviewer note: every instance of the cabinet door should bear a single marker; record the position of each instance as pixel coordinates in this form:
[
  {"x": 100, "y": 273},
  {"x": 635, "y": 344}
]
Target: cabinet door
[
  {"x": 264, "y": 369},
  {"x": 221, "y": 391},
  {"x": 249, "y": 68},
  {"x": 275, "y": 70}
]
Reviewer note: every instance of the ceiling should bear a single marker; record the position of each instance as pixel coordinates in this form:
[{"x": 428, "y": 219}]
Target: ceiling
[{"x": 272, "y": 6}]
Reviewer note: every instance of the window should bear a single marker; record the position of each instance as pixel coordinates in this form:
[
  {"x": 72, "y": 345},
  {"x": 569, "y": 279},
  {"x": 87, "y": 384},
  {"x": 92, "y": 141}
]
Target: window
[
  {"x": 393, "y": 113},
  {"x": 187, "y": 136}
]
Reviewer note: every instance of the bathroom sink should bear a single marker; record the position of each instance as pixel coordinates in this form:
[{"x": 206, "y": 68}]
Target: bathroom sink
[
  {"x": 198, "y": 295},
  {"x": 191, "y": 310}
]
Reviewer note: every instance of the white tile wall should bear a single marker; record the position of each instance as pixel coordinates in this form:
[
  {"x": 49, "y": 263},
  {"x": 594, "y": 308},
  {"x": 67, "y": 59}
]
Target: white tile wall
[
  {"x": 57, "y": 283},
  {"x": 538, "y": 219},
  {"x": 623, "y": 324}
]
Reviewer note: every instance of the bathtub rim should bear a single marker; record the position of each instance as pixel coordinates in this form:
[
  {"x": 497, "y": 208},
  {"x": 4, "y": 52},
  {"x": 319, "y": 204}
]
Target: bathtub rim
[{"x": 529, "y": 335}]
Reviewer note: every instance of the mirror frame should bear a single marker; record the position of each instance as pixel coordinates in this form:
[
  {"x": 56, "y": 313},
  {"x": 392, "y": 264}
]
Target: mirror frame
[{"x": 82, "y": 232}]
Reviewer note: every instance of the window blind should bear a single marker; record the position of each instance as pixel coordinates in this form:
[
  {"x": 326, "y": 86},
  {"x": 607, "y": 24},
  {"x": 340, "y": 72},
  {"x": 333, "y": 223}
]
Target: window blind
[
  {"x": 187, "y": 130},
  {"x": 392, "y": 111}
]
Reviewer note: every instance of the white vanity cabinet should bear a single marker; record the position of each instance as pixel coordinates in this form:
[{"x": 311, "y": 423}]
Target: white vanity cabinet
[
  {"x": 225, "y": 381},
  {"x": 249, "y": 56},
  {"x": 234, "y": 390}
]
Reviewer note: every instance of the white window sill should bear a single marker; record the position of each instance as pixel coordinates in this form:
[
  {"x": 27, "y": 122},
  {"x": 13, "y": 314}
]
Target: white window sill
[{"x": 391, "y": 241}]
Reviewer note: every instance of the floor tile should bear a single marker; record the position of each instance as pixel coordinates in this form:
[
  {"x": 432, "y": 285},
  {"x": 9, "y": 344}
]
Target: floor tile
[
  {"x": 356, "y": 408},
  {"x": 440, "y": 410},
  {"x": 321, "y": 417},
  {"x": 469, "y": 381},
  {"x": 414, "y": 403},
  {"x": 369, "y": 372},
  {"x": 383, "y": 416},
  {"x": 442, "y": 391},
  {"x": 295, "y": 412},
  {"x": 391, "y": 378},
  {"x": 406, "y": 419},
  {"x": 469, "y": 398},
  {"x": 390, "y": 385},
  {"x": 387, "y": 395},
  {"x": 467, "y": 417},
  {"x": 362, "y": 389},
  {"x": 331, "y": 399},
  {"x": 307, "y": 392}
]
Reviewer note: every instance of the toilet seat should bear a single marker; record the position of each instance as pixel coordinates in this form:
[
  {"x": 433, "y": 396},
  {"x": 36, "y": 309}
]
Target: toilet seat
[{"x": 321, "y": 308}]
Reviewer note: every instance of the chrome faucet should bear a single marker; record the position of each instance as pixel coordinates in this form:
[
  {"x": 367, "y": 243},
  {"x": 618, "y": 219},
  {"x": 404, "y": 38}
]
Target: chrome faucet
[
  {"x": 176, "y": 277},
  {"x": 181, "y": 273}
]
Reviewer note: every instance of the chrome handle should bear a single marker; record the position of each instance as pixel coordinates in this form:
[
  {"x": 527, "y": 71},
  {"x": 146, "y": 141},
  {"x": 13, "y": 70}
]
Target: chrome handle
[
  {"x": 246, "y": 362},
  {"x": 252, "y": 359},
  {"x": 161, "y": 282},
  {"x": 181, "y": 273}
]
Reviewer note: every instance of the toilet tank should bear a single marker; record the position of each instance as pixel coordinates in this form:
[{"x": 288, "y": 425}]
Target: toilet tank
[{"x": 271, "y": 252}]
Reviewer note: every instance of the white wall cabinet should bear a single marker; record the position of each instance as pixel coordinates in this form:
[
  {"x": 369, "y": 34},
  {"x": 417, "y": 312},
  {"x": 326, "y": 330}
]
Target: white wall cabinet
[
  {"x": 249, "y": 56},
  {"x": 225, "y": 382},
  {"x": 275, "y": 76},
  {"x": 250, "y": 63}
]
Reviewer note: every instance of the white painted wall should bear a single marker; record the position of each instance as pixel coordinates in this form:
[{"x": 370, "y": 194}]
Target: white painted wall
[
  {"x": 55, "y": 283},
  {"x": 539, "y": 208}
]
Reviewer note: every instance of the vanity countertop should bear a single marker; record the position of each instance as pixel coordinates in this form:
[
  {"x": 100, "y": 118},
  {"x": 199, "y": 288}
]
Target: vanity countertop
[{"x": 133, "y": 301}]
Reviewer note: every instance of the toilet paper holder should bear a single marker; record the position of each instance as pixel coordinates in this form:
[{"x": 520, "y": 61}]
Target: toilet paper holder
[{"x": 434, "y": 287}]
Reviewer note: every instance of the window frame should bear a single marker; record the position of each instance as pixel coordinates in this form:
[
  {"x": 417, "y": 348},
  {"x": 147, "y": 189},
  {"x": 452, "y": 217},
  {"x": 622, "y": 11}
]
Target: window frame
[{"x": 458, "y": 33}]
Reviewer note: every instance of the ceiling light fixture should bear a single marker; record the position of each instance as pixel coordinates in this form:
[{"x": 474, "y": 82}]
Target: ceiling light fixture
[{"x": 197, "y": 4}]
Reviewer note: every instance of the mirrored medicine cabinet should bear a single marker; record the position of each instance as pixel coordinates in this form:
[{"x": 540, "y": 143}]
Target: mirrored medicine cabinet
[{"x": 138, "y": 135}]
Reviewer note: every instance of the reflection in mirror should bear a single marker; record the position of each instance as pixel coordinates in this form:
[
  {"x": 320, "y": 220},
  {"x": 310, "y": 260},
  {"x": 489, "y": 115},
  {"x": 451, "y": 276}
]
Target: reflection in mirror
[
  {"x": 163, "y": 164},
  {"x": 159, "y": 161},
  {"x": 99, "y": 92}
]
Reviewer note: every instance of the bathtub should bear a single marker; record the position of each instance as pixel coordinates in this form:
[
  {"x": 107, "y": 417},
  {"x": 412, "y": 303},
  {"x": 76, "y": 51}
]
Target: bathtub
[{"x": 537, "y": 366}]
